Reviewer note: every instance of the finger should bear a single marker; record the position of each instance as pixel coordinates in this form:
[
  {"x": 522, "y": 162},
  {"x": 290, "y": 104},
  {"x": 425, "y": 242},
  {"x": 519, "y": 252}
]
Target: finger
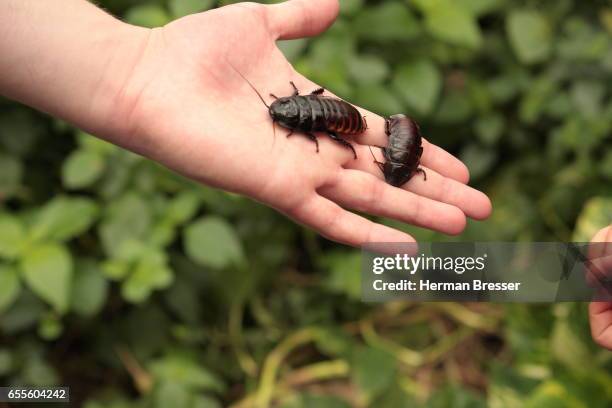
[
  {"x": 433, "y": 156},
  {"x": 472, "y": 202},
  {"x": 364, "y": 192},
  {"x": 600, "y": 318},
  {"x": 301, "y": 18},
  {"x": 337, "y": 224}
]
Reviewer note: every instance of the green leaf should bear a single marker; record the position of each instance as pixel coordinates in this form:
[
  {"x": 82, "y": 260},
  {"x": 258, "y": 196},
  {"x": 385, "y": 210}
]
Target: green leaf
[
  {"x": 587, "y": 97},
  {"x": 47, "y": 270},
  {"x": 211, "y": 241},
  {"x": 480, "y": 7},
  {"x": 183, "y": 207},
  {"x": 171, "y": 394},
  {"x": 82, "y": 168},
  {"x": 147, "y": 15},
  {"x": 184, "y": 369},
  {"x": 151, "y": 272},
  {"x": 350, "y": 7},
  {"x": 368, "y": 69},
  {"x": 373, "y": 370},
  {"x": 292, "y": 49},
  {"x": 419, "y": 83},
  {"x": 12, "y": 236},
  {"x": 489, "y": 128},
  {"x": 10, "y": 287},
  {"x": 530, "y": 35},
  {"x": 180, "y": 8},
  {"x": 448, "y": 21},
  {"x": 551, "y": 394},
  {"x": 50, "y": 327},
  {"x": 596, "y": 214},
  {"x": 64, "y": 218},
  {"x": 127, "y": 219},
  {"x": 89, "y": 289},
  {"x": 479, "y": 160},
  {"x": 388, "y": 21},
  {"x": 379, "y": 99},
  {"x": 344, "y": 276},
  {"x": 11, "y": 173}
]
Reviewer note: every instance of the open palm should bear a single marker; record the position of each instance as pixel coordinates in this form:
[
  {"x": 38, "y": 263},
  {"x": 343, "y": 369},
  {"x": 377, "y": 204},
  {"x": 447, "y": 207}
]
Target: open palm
[{"x": 189, "y": 109}]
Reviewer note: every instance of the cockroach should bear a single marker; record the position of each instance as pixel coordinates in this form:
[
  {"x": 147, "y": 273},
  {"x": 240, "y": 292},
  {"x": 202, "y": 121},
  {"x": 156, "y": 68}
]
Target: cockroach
[
  {"x": 315, "y": 113},
  {"x": 403, "y": 152}
]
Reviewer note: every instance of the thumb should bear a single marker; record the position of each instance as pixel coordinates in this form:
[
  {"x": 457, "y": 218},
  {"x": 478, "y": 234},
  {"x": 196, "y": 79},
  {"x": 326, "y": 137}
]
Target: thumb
[{"x": 301, "y": 18}]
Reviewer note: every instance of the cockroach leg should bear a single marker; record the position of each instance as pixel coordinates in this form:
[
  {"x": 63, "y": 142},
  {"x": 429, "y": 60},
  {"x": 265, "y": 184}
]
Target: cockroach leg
[
  {"x": 420, "y": 170},
  {"x": 343, "y": 142},
  {"x": 296, "y": 92},
  {"x": 274, "y": 96},
  {"x": 318, "y": 91},
  {"x": 313, "y": 138}
]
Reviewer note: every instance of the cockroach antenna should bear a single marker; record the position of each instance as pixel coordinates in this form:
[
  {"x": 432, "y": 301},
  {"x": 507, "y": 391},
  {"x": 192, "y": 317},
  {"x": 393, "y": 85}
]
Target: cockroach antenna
[{"x": 258, "y": 94}]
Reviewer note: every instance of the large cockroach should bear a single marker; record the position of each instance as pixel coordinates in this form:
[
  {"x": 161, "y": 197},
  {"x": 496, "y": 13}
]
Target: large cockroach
[
  {"x": 315, "y": 113},
  {"x": 403, "y": 152}
]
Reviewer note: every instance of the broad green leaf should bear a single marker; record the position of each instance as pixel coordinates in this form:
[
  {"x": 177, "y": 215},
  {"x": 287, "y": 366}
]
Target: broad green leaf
[
  {"x": 50, "y": 327},
  {"x": 183, "y": 207},
  {"x": 89, "y": 289},
  {"x": 10, "y": 287},
  {"x": 536, "y": 99},
  {"x": 147, "y": 15},
  {"x": 82, "y": 168},
  {"x": 588, "y": 97},
  {"x": 293, "y": 48},
  {"x": 127, "y": 219},
  {"x": 211, "y": 241},
  {"x": 350, "y": 7},
  {"x": 64, "y": 218},
  {"x": 12, "y": 236},
  {"x": 551, "y": 394},
  {"x": 171, "y": 394},
  {"x": 419, "y": 83},
  {"x": 530, "y": 35},
  {"x": 479, "y": 7},
  {"x": 180, "y": 8},
  {"x": 595, "y": 215},
  {"x": 343, "y": 276},
  {"x": 373, "y": 369},
  {"x": 379, "y": 99},
  {"x": 389, "y": 21},
  {"x": 490, "y": 128},
  {"x": 47, "y": 270},
  {"x": 451, "y": 22},
  {"x": 368, "y": 69},
  {"x": 11, "y": 173},
  {"x": 151, "y": 272},
  {"x": 566, "y": 345},
  {"x": 187, "y": 371},
  {"x": 479, "y": 160}
]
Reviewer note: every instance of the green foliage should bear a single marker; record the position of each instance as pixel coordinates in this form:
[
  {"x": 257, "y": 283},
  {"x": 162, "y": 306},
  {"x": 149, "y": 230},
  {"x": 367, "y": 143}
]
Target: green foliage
[{"x": 138, "y": 288}]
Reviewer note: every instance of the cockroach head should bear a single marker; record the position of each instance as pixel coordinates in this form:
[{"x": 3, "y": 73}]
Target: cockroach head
[{"x": 285, "y": 111}]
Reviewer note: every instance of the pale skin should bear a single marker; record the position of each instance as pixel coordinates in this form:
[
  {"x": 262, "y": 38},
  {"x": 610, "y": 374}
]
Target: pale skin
[
  {"x": 600, "y": 313},
  {"x": 171, "y": 94}
]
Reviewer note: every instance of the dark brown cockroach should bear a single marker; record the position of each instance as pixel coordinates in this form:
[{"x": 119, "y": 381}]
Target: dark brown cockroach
[
  {"x": 315, "y": 113},
  {"x": 403, "y": 152}
]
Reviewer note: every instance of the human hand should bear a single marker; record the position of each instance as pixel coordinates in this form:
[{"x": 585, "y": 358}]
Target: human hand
[
  {"x": 186, "y": 107},
  {"x": 600, "y": 313}
]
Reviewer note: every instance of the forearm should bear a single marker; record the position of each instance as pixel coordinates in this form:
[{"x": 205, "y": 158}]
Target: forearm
[{"x": 68, "y": 58}]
